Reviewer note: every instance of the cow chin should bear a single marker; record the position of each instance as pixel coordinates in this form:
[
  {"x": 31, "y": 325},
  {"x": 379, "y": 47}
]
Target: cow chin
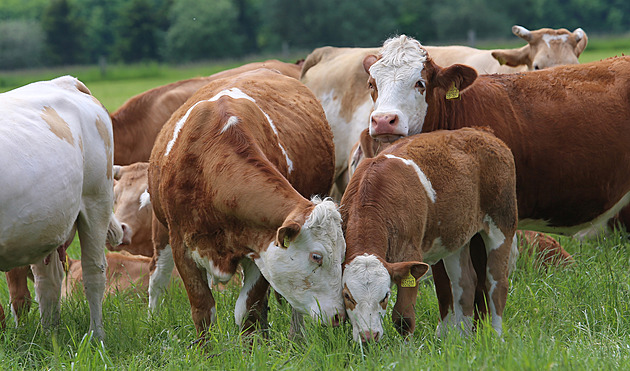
[{"x": 388, "y": 138}]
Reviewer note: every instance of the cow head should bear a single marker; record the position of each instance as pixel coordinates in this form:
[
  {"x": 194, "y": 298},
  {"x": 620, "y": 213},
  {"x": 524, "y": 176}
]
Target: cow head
[
  {"x": 401, "y": 79},
  {"x": 303, "y": 264},
  {"x": 133, "y": 209},
  {"x": 367, "y": 282},
  {"x": 545, "y": 48}
]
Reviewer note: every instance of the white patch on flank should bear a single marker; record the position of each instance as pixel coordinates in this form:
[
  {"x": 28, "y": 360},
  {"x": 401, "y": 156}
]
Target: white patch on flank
[
  {"x": 547, "y": 38},
  {"x": 217, "y": 274},
  {"x": 234, "y": 93},
  {"x": 145, "y": 199},
  {"x": 158, "y": 282},
  {"x": 233, "y": 120},
  {"x": 423, "y": 178},
  {"x": 251, "y": 274}
]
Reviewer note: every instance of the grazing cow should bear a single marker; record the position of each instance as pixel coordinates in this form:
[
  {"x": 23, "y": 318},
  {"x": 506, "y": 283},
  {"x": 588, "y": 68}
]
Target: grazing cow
[
  {"x": 124, "y": 271},
  {"x": 338, "y": 79},
  {"x": 566, "y": 126},
  {"x": 228, "y": 175},
  {"x": 139, "y": 120},
  {"x": 419, "y": 201},
  {"x": 56, "y": 150}
]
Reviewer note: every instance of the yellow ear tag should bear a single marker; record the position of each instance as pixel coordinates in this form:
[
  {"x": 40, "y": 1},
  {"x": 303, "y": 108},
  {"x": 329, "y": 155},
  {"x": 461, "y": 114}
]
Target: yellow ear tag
[
  {"x": 452, "y": 93},
  {"x": 286, "y": 241},
  {"x": 409, "y": 281}
]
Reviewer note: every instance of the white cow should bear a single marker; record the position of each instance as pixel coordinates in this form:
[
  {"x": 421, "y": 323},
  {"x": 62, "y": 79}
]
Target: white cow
[{"x": 56, "y": 154}]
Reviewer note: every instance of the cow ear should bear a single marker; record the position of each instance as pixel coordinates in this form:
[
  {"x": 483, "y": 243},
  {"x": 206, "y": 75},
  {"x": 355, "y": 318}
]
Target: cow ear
[
  {"x": 287, "y": 233},
  {"x": 117, "y": 170},
  {"x": 406, "y": 274},
  {"x": 367, "y": 144},
  {"x": 368, "y": 61},
  {"x": 513, "y": 57},
  {"x": 581, "y": 39},
  {"x": 455, "y": 78}
]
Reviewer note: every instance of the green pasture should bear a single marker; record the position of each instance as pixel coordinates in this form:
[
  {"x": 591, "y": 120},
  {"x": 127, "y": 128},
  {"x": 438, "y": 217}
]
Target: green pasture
[{"x": 575, "y": 318}]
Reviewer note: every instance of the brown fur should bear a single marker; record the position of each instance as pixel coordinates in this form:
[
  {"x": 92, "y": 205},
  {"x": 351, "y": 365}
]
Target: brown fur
[
  {"x": 387, "y": 213},
  {"x": 223, "y": 195},
  {"x": 139, "y": 120}
]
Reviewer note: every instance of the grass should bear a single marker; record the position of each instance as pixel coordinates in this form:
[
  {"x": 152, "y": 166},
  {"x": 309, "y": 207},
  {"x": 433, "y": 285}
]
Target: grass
[{"x": 555, "y": 318}]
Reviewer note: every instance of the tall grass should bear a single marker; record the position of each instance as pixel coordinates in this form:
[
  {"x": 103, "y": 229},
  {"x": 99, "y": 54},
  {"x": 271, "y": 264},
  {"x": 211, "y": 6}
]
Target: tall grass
[{"x": 555, "y": 318}]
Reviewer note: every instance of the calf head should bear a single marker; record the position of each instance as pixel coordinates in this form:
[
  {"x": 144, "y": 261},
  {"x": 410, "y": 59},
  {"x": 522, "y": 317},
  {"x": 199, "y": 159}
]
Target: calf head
[
  {"x": 545, "y": 48},
  {"x": 132, "y": 208},
  {"x": 303, "y": 264},
  {"x": 401, "y": 80},
  {"x": 367, "y": 282}
]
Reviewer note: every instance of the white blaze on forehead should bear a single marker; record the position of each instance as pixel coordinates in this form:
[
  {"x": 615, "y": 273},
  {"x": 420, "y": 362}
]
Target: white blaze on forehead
[
  {"x": 145, "y": 199},
  {"x": 367, "y": 277},
  {"x": 426, "y": 183},
  {"x": 547, "y": 38},
  {"x": 234, "y": 93}
]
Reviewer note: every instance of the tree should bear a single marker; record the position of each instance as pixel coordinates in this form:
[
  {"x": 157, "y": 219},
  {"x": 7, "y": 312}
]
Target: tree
[
  {"x": 21, "y": 44},
  {"x": 64, "y": 34},
  {"x": 138, "y": 28}
]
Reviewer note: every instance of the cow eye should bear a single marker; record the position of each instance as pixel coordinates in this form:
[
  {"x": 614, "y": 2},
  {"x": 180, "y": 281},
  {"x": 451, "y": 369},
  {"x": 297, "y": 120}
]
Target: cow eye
[
  {"x": 317, "y": 258},
  {"x": 370, "y": 85},
  {"x": 420, "y": 84}
]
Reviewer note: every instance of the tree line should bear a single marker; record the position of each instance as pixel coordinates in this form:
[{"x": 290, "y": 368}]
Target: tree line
[{"x": 62, "y": 32}]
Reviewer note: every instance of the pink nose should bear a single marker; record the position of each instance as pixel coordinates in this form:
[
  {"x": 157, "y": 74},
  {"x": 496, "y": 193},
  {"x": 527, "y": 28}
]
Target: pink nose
[
  {"x": 126, "y": 240},
  {"x": 367, "y": 336},
  {"x": 384, "y": 123}
]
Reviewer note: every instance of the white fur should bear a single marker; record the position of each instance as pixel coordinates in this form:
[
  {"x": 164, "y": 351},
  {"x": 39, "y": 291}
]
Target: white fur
[
  {"x": 547, "y": 38},
  {"x": 452, "y": 264},
  {"x": 251, "y": 274},
  {"x": 215, "y": 272},
  {"x": 396, "y": 74},
  {"x": 311, "y": 289},
  {"x": 158, "y": 281},
  {"x": 233, "y": 120},
  {"x": 426, "y": 183},
  {"x": 145, "y": 199},
  {"x": 493, "y": 239},
  {"x": 369, "y": 282}
]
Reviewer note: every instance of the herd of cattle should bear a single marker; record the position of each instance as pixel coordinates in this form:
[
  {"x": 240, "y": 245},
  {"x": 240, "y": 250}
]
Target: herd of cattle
[{"x": 231, "y": 171}]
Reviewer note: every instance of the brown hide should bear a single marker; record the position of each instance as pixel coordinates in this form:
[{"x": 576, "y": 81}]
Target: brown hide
[
  {"x": 138, "y": 121},
  {"x": 386, "y": 211},
  {"x": 566, "y": 126},
  {"x": 226, "y": 193},
  {"x": 546, "y": 248}
]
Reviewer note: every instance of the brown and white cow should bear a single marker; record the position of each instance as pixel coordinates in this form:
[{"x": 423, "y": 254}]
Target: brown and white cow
[
  {"x": 338, "y": 79},
  {"x": 228, "y": 175},
  {"x": 139, "y": 120},
  {"x": 56, "y": 149},
  {"x": 566, "y": 126},
  {"x": 420, "y": 201}
]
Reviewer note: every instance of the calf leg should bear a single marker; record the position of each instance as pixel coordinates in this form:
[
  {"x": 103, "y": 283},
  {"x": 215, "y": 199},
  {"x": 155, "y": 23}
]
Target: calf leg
[
  {"x": 17, "y": 280},
  {"x": 403, "y": 314},
  {"x": 479, "y": 262},
  {"x": 48, "y": 278},
  {"x": 463, "y": 279},
  {"x": 251, "y": 307}
]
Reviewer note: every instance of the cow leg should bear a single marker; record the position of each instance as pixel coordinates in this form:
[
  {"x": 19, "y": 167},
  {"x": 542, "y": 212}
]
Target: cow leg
[
  {"x": 499, "y": 249},
  {"x": 3, "y": 323},
  {"x": 403, "y": 313},
  {"x": 93, "y": 226},
  {"x": 17, "y": 280},
  {"x": 442, "y": 289},
  {"x": 48, "y": 279},
  {"x": 161, "y": 268},
  {"x": 479, "y": 261},
  {"x": 251, "y": 307},
  {"x": 463, "y": 279},
  {"x": 202, "y": 304}
]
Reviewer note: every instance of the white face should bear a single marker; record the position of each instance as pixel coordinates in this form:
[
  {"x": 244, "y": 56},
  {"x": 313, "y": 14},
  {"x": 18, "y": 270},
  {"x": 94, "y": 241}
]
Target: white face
[
  {"x": 400, "y": 105},
  {"x": 366, "y": 290},
  {"x": 308, "y": 272}
]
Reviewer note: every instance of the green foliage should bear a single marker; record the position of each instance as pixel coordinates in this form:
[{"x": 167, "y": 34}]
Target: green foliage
[
  {"x": 21, "y": 44},
  {"x": 64, "y": 34},
  {"x": 23, "y": 10},
  {"x": 137, "y": 36}
]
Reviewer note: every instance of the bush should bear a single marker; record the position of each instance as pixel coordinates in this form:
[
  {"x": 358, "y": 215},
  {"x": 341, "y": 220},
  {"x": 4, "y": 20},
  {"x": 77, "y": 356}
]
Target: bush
[{"x": 21, "y": 44}]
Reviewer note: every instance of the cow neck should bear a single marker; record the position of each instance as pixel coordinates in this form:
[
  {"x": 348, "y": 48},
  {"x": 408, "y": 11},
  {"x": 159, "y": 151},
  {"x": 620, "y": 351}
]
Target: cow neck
[{"x": 126, "y": 138}]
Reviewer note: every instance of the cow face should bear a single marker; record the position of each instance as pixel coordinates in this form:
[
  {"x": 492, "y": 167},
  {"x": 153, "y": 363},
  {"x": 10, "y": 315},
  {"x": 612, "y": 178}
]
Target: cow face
[
  {"x": 545, "y": 48},
  {"x": 133, "y": 209},
  {"x": 398, "y": 89},
  {"x": 403, "y": 81},
  {"x": 367, "y": 282},
  {"x": 304, "y": 263}
]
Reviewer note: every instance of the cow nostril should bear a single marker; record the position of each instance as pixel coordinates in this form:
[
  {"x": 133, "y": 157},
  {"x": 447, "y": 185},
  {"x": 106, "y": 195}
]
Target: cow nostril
[
  {"x": 393, "y": 121},
  {"x": 336, "y": 320}
]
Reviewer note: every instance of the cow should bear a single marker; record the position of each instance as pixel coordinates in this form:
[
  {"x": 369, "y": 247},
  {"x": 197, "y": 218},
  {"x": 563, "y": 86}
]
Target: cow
[
  {"x": 56, "y": 147},
  {"x": 420, "y": 201},
  {"x": 338, "y": 79},
  {"x": 124, "y": 272},
  {"x": 228, "y": 175},
  {"x": 139, "y": 120},
  {"x": 566, "y": 126}
]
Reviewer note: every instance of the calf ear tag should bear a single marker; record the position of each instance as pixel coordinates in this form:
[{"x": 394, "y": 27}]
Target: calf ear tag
[
  {"x": 452, "y": 93},
  {"x": 286, "y": 241},
  {"x": 408, "y": 281}
]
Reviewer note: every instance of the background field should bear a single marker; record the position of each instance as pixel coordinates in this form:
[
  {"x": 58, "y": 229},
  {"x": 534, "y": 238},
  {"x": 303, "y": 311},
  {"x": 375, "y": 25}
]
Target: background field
[{"x": 575, "y": 318}]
